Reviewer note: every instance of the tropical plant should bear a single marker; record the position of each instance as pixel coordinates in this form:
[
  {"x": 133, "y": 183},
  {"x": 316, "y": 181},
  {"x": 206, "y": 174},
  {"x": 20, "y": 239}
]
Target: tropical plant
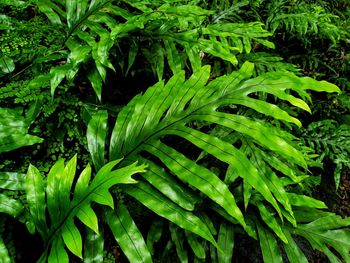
[
  {"x": 261, "y": 161},
  {"x": 93, "y": 30},
  {"x": 301, "y": 18},
  {"x": 217, "y": 152},
  {"x": 13, "y": 135},
  {"x": 331, "y": 141},
  {"x": 60, "y": 230}
]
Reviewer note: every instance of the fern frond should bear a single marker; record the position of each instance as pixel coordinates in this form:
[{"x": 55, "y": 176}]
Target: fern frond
[
  {"x": 321, "y": 229},
  {"x": 266, "y": 62},
  {"x": 93, "y": 28},
  {"x": 145, "y": 128},
  {"x": 330, "y": 141},
  {"x": 302, "y": 18},
  {"x": 56, "y": 201}
]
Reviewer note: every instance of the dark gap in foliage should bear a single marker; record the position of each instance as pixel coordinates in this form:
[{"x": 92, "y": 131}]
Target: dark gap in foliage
[
  {"x": 246, "y": 249},
  {"x": 24, "y": 249}
]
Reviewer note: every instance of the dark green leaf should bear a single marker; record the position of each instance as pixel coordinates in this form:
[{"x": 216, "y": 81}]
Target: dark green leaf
[
  {"x": 225, "y": 243},
  {"x": 155, "y": 201},
  {"x": 35, "y": 193},
  {"x": 177, "y": 236},
  {"x": 93, "y": 247},
  {"x": 269, "y": 247},
  {"x": 96, "y": 135},
  {"x": 12, "y": 181},
  {"x": 127, "y": 235},
  {"x": 6, "y": 64}
]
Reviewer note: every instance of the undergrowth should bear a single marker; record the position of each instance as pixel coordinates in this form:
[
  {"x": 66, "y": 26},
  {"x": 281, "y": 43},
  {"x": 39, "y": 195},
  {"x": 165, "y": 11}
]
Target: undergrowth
[{"x": 188, "y": 127}]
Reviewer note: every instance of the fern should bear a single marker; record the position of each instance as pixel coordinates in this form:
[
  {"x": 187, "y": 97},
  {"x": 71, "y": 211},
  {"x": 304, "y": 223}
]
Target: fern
[
  {"x": 321, "y": 229},
  {"x": 219, "y": 162},
  {"x": 330, "y": 141},
  {"x": 261, "y": 152},
  {"x": 300, "y": 19},
  {"x": 55, "y": 199},
  {"x": 265, "y": 62},
  {"x": 92, "y": 29}
]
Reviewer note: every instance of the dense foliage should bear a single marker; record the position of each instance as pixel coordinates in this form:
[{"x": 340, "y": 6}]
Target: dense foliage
[{"x": 193, "y": 130}]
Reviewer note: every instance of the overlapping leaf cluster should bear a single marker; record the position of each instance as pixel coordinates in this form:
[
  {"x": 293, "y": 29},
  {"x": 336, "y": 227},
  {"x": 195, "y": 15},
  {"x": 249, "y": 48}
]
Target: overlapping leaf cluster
[
  {"x": 60, "y": 230},
  {"x": 215, "y": 160},
  {"x": 263, "y": 157},
  {"x": 93, "y": 29}
]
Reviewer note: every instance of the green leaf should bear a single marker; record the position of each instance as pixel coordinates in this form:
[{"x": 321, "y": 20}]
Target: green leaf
[
  {"x": 57, "y": 75},
  {"x": 14, "y": 129},
  {"x": 195, "y": 244},
  {"x": 72, "y": 238},
  {"x": 87, "y": 215},
  {"x": 6, "y": 64},
  {"x": 96, "y": 135},
  {"x": 96, "y": 82},
  {"x": 70, "y": 10},
  {"x": 4, "y": 255},
  {"x": 93, "y": 247},
  {"x": 258, "y": 133},
  {"x": 209, "y": 223},
  {"x": 156, "y": 58},
  {"x": 167, "y": 185},
  {"x": 35, "y": 192},
  {"x": 11, "y": 142},
  {"x": 174, "y": 58},
  {"x": 269, "y": 218},
  {"x": 132, "y": 55},
  {"x": 217, "y": 49},
  {"x": 193, "y": 54},
  {"x": 12, "y": 181},
  {"x": 199, "y": 177},
  {"x": 49, "y": 8},
  {"x": 227, "y": 153},
  {"x": 305, "y": 201},
  {"x": 294, "y": 253},
  {"x": 156, "y": 202},
  {"x": 184, "y": 110},
  {"x": 321, "y": 235},
  {"x": 65, "y": 183},
  {"x": 33, "y": 112},
  {"x": 64, "y": 204},
  {"x": 52, "y": 189},
  {"x": 10, "y": 206},
  {"x": 268, "y": 244},
  {"x": 58, "y": 253},
  {"x": 127, "y": 235},
  {"x": 154, "y": 234},
  {"x": 225, "y": 243},
  {"x": 79, "y": 55},
  {"x": 177, "y": 236}
]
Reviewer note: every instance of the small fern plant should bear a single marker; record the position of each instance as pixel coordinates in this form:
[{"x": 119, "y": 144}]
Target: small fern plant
[
  {"x": 330, "y": 141},
  {"x": 300, "y": 19},
  {"x": 59, "y": 230}
]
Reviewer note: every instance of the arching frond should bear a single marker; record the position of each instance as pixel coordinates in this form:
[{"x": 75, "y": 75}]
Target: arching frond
[{"x": 155, "y": 126}]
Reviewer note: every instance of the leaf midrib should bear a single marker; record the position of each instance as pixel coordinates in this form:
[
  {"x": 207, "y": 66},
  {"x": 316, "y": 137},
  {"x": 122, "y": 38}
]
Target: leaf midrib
[{"x": 182, "y": 119}]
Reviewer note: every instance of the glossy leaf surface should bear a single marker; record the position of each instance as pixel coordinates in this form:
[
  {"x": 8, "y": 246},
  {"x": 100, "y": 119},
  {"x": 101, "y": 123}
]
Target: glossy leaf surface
[
  {"x": 63, "y": 208},
  {"x": 127, "y": 235}
]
